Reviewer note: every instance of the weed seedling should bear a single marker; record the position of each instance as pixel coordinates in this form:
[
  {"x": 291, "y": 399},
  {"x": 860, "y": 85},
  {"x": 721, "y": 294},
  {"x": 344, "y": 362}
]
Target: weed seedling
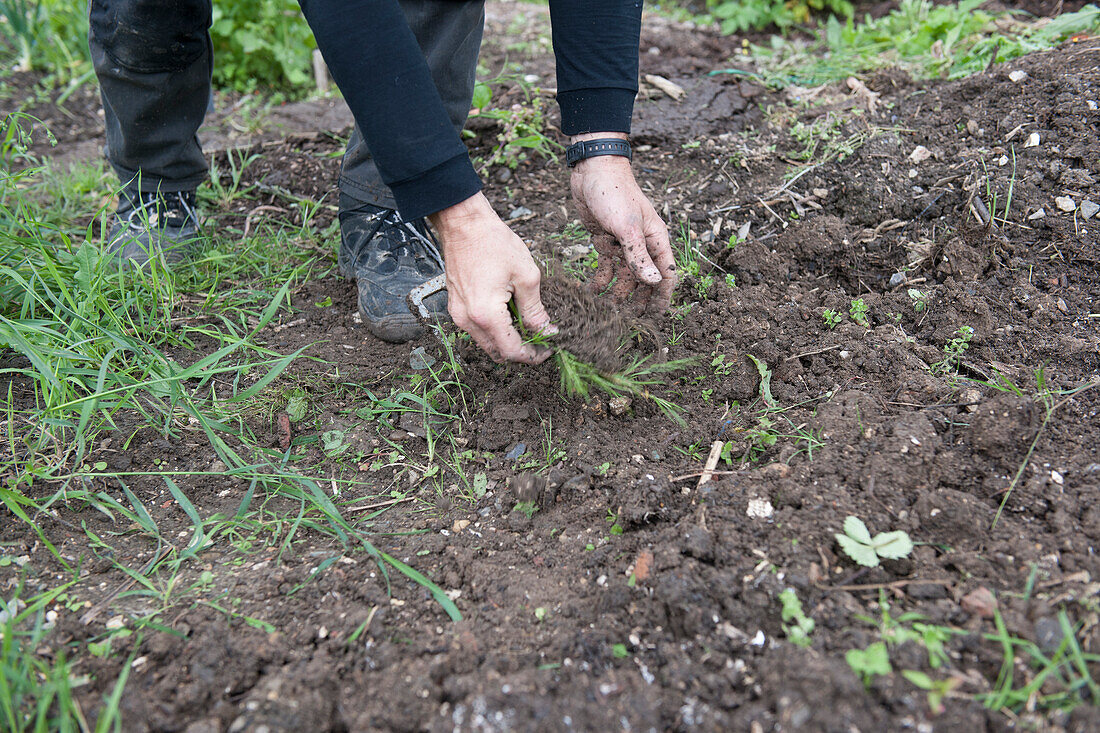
[
  {"x": 920, "y": 299},
  {"x": 858, "y": 312},
  {"x": 858, "y": 544},
  {"x": 796, "y": 624},
  {"x": 526, "y": 508},
  {"x": 874, "y": 660},
  {"x": 953, "y": 351},
  {"x": 832, "y": 318},
  {"x": 937, "y": 689}
]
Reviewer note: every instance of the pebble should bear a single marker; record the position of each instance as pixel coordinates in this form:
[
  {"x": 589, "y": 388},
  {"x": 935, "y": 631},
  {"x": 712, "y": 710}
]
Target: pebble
[
  {"x": 1048, "y": 633},
  {"x": 519, "y": 212},
  {"x": 420, "y": 359},
  {"x": 1017, "y": 75},
  {"x": 459, "y": 525},
  {"x": 1089, "y": 209},
  {"x": 1032, "y": 140},
  {"x": 1065, "y": 203},
  {"x": 517, "y": 450},
  {"x": 897, "y": 279},
  {"x": 980, "y": 602},
  {"x": 1037, "y": 215},
  {"x": 760, "y": 509},
  {"x": 618, "y": 405},
  {"x": 920, "y": 154}
]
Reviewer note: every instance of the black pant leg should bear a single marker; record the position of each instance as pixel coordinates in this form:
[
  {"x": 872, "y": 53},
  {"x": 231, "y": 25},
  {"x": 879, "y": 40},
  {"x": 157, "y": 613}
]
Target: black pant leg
[{"x": 153, "y": 60}]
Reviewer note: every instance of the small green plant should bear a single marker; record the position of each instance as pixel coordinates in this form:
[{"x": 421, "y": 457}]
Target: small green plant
[
  {"x": 858, "y": 312},
  {"x": 874, "y": 660},
  {"x": 919, "y": 298},
  {"x": 953, "y": 351},
  {"x": 730, "y": 280},
  {"x": 703, "y": 286},
  {"x": 937, "y": 689},
  {"x": 796, "y": 624},
  {"x": 831, "y": 317},
  {"x": 262, "y": 43},
  {"x": 522, "y": 127},
  {"x": 526, "y": 508},
  {"x": 758, "y": 14},
  {"x": 858, "y": 544},
  {"x": 580, "y": 379}
]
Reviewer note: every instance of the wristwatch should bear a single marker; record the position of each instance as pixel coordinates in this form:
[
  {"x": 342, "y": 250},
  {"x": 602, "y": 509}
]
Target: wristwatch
[{"x": 585, "y": 149}]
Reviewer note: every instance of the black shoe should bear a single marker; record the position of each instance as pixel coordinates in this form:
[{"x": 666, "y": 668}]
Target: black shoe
[
  {"x": 149, "y": 224},
  {"x": 388, "y": 257}
]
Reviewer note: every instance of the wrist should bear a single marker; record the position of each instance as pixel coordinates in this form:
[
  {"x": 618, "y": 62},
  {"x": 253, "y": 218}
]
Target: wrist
[
  {"x": 454, "y": 219},
  {"x": 597, "y": 135}
]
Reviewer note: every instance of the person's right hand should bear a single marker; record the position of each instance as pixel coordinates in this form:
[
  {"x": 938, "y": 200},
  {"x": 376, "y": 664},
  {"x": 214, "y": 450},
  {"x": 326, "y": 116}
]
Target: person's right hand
[{"x": 487, "y": 266}]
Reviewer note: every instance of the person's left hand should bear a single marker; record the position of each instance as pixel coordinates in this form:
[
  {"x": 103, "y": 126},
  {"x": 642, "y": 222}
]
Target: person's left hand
[{"x": 630, "y": 238}]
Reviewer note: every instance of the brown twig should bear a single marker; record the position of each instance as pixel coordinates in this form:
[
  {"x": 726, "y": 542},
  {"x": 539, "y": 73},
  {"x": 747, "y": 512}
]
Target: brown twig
[
  {"x": 881, "y": 586},
  {"x": 379, "y": 505}
]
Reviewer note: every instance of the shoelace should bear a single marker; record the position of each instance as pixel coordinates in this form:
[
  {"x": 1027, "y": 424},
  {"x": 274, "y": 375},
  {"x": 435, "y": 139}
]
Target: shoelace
[
  {"x": 153, "y": 208},
  {"x": 412, "y": 234}
]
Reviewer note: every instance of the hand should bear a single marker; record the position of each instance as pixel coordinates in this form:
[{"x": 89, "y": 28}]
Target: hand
[
  {"x": 630, "y": 238},
  {"x": 487, "y": 266}
]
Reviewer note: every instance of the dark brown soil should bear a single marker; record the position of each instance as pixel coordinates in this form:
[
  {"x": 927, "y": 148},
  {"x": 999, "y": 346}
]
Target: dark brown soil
[
  {"x": 674, "y": 623},
  {"x": 588, "y": 327}
]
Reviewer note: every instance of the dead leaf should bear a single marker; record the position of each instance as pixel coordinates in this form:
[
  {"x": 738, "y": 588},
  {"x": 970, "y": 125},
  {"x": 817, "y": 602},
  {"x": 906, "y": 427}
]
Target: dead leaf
[{"x": 869, "y": 98}]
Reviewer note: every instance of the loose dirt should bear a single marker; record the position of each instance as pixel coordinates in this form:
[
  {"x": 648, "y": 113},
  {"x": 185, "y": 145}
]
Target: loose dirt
[{"x": 561, "y": 631}]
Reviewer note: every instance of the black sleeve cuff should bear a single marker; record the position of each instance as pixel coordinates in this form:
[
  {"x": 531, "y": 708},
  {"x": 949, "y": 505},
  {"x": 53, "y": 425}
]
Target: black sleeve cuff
[
  {"x": 437, "y": 188},
  {"x": 596, "y": 110}
]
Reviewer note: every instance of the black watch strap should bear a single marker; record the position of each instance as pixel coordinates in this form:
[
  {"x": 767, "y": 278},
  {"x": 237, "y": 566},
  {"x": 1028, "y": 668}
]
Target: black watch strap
[{"x": 585, "y": 149}]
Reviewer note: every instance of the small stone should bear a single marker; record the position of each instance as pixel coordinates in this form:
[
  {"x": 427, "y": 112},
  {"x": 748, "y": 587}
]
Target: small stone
[
  {"x": 760, "y": 509},
  {"x": 1018, "y": 75},
  {"x": 980, "y": 602},
  {"x": 1002, "y": 161},
  {"x": 459, "y": 525},
  {"x": 926, "y": 591},
  {"x": 420, "y": 359},
  {"x": 1060, "y": 304},
  {"x": 920, "y": 154},
  {"x": 912, "y": 172},
  {"x": 1089, "y": 208},
  {"x": 618, "y": 405},
  {"x": 1037, "y": 215},
  {"x": 845, "y": 354},
  {"x": 1092, "y": 104},
  {"x": 115, "y": 622},
  {"x": 897, "y": 279},
  {"x": 972, "y": 127},
  {"x": 969, "y": 398},
  {"x": 1065, "y": 203},
  {"x": 779, "y": 470},
  {"x": 821, "y": 192},
  {"x": 519, "y": 212},
  {"x": 1048, "y": 634},
  {"x": 1032, "y": 140},
  {"x": 1057, "y": 477},
  {"x": 517, "y": 450}
]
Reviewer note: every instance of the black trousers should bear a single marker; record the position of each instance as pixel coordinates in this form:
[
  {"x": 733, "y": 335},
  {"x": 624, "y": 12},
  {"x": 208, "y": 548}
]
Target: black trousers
[{"x": 154, "y": 60}]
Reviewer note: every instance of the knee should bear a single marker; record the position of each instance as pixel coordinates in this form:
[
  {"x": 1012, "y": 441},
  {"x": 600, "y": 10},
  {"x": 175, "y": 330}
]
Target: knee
[{"x": 147, "y": 35}]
